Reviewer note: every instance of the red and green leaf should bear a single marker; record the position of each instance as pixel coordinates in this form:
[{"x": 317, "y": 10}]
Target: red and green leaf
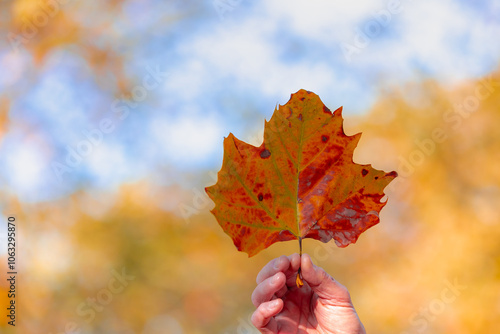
[{"x": 300, "y": 183}]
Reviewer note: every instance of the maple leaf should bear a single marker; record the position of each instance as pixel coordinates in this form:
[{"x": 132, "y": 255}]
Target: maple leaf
[{"x": 300, "y": 183}]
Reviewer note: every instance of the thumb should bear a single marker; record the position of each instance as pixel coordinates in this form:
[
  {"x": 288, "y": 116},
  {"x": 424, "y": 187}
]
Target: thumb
[{"x": 325, "y": 286}]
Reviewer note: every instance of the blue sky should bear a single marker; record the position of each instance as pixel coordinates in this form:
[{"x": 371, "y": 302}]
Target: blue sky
[{"x": 217, "y": 71}]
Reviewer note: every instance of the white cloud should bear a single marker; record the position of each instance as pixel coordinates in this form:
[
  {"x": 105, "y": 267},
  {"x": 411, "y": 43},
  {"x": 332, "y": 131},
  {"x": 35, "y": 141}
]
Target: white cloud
[
  {"x": 25, "y": 162},
  {"x": 246, "y": 56},
  {"x": 439, "y": 39},
  {"x": 109, "y": 165},
  {"x": 12, "y": 67},
  {"x": 189, "y": 81},
  {"x": 321, "y": 20},
  {"x": 187, "y": 140}
]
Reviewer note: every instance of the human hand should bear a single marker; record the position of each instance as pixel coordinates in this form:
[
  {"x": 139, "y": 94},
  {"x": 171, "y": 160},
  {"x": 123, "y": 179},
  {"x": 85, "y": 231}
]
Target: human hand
[{"x": 322, "y": 305}]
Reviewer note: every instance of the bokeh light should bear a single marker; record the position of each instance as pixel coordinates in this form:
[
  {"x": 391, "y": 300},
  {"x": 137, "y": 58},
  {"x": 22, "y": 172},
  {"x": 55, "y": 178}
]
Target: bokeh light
[{"x": 112, "y": 116}]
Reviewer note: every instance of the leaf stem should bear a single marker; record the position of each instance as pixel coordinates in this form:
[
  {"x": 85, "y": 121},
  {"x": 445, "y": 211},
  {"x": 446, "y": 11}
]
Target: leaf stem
[
  {"x": 298, "y": 280},
  {"x": 300, "y": 246}
]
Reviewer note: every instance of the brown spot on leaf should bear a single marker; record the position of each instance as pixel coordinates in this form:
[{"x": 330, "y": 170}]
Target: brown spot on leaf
[
  {"x": 265, "y": 153},
  {"x": 261, "y": 197},
  {"x": 300, "y": 117},
  {"x": 243, "y": 231},
  {"x": 302, "y": 98},
  {"x": 310, "y": 176},
  {"x": 393, "y": 174},
  {"x": 364, "y": 172},
  {"x": 326, "y": 110},
  {"x": 376, "y": 177},
  {"x": 324, "y": 138}
]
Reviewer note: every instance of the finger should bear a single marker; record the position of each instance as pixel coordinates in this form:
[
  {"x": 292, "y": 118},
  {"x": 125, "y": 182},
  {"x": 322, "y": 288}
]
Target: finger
[
  {"x": 294, "y": 262},
  {"x": 291, "y": 273},
  {"x": 325, "y": 286},
  {"x": 265, "y": 291},
  {"x": 276, "y": 265},
  {"x": 283, "y": 290},
  {"x": 263, "y": 319}
]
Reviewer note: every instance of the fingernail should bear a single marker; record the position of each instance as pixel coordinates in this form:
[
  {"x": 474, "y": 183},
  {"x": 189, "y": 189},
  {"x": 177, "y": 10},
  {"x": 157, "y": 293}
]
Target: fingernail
[
  {"x": 275, "y": 279},
  {"x": 274, "y": 303}
]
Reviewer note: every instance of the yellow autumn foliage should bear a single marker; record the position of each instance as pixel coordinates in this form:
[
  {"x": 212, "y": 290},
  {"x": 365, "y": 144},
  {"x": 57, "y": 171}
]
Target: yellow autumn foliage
[{"x": 432, "y": 264}]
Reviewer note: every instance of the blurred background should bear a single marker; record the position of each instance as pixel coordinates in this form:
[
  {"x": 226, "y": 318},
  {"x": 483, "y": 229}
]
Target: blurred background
[{"x": 112, "y": 117}]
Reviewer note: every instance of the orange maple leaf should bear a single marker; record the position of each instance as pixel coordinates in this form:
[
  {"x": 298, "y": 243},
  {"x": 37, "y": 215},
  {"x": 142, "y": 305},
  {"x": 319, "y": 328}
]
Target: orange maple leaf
[{"x": 300, "y": 183}]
